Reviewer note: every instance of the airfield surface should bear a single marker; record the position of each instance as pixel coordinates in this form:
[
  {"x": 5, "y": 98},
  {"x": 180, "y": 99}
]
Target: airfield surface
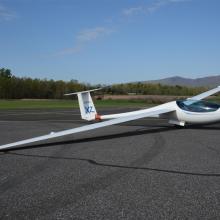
[{"x": 145, "y": 169}]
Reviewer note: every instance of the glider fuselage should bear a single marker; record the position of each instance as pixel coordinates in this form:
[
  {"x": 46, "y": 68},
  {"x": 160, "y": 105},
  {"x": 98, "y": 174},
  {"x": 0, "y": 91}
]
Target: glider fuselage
[{"x": 193, "y": 112}]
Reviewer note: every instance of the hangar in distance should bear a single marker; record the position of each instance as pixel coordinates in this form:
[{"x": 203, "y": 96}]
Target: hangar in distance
[{"x": 193, "y": 110}]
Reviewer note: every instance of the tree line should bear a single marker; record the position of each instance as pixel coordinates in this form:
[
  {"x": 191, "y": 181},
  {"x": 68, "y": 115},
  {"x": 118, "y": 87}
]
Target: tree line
[{"x": 12, "y": 87}]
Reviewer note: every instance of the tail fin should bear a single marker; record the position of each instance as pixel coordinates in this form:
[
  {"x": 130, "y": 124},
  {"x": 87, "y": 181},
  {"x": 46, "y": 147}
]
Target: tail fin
[{"x": 86, "y": 105}]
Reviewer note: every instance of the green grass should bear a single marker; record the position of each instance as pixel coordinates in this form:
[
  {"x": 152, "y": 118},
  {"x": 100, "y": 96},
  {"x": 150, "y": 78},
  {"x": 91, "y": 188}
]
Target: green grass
[
  {"x": 63, "y": 104},
  {"x": 32, "y": 104}
]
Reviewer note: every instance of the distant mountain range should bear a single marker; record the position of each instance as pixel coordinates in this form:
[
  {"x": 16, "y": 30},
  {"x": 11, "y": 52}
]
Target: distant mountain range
[{"x": 210, "y": 81}]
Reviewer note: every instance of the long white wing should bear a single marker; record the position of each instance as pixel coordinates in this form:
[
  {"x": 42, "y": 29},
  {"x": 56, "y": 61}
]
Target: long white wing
[
  {"x": 206, "y": 94},
  {"x": 154, "y": 111}
]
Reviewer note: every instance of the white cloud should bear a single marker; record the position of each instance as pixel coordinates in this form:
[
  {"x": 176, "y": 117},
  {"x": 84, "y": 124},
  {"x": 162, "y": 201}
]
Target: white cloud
[
  {"x": 156, "y": 5},
  {"x": 132, "y": 10},
  {"x": 177, "y": 1},
  {"x": 6, "y": 14},
  {"x": 92, "y": 34},
  {"x": 85, "y": 36}
]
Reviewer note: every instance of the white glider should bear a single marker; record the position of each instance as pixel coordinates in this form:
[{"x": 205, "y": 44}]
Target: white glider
[{"x": 192, "y": 110}]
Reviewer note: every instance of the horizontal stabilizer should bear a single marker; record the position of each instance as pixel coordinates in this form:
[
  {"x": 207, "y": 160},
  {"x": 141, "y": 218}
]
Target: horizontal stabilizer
[{"x": 75, "y": 93}]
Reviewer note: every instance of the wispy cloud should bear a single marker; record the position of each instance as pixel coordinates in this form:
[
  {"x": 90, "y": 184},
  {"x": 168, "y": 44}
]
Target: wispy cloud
[
  {"x": 177, "y": 1},
  {"x": 6, "y": 14},
  {"x": 146, "y": 9},
  {"x": 92, "y": 34},
  {"x": 132, "y": 10},
  {"x": 85, "y": 36}
]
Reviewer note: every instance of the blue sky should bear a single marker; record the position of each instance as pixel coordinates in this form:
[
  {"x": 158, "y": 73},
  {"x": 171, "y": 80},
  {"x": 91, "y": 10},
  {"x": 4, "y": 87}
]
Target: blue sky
[{"x": 110, "y": 41}]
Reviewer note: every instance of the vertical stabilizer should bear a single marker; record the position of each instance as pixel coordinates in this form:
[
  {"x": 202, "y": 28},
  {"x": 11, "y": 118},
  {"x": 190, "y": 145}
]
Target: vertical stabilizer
[{"x": 86, "y": 105}]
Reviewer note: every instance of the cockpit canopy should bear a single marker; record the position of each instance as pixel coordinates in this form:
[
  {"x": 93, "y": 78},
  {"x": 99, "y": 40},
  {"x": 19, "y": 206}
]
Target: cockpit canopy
[{"x": 197, "y": 105}]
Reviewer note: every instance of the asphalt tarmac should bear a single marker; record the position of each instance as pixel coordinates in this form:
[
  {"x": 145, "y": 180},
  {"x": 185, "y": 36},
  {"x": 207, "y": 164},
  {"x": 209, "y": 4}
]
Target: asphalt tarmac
[{"x": 146, "y": 169}]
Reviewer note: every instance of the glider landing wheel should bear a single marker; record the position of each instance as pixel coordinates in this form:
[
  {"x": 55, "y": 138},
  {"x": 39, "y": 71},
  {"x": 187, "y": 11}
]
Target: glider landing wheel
[{"x": 179, "y": 126}]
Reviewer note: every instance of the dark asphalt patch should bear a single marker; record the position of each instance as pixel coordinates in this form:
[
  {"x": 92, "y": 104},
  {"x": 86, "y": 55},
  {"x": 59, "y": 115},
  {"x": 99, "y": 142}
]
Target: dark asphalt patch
[{"x": 140, "y": 170}]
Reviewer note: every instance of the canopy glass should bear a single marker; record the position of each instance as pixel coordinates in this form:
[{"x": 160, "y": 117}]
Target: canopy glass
[{"x": 197, "y": 105}]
